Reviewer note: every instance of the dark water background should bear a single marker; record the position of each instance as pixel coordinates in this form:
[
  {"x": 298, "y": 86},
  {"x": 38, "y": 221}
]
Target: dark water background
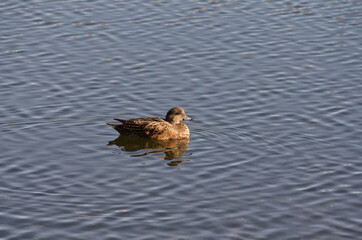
[{"x": 275, "y": 89}]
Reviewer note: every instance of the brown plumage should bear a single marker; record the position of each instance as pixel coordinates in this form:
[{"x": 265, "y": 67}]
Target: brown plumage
[{"x": 156, "y": 128}]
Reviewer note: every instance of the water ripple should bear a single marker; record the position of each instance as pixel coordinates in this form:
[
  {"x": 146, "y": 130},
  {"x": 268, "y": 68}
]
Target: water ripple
[{"x": 273, "y": 86}]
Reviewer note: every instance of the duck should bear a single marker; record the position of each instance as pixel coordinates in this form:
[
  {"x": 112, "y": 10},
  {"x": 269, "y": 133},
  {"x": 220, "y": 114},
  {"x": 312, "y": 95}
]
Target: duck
[{"x": 170, "y": 127}]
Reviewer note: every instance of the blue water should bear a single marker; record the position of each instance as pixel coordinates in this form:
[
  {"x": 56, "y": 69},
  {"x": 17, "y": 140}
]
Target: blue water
[{"x": 274, "y": 88}]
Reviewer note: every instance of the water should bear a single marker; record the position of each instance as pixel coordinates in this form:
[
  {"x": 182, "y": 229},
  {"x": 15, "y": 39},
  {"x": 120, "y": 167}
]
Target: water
[{"x": 274, "y": 88}]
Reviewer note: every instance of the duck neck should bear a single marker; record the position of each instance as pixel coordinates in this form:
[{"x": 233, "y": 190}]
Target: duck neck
[{"x": 173, "y": 122}]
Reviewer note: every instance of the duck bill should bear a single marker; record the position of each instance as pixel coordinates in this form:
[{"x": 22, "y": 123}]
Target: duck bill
[{"x": 187, "y": 118}]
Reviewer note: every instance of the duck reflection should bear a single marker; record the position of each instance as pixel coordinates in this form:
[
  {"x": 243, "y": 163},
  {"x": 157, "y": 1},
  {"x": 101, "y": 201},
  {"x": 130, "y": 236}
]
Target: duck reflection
[{"x": 173, "y": 149}]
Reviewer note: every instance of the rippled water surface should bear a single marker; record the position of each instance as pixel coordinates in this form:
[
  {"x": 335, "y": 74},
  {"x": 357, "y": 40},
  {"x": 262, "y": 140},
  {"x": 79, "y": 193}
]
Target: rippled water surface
[{"x": 274, "y": 88}]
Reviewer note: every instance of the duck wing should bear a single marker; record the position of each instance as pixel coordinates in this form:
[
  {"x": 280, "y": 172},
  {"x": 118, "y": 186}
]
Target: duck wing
[
  {"x": 146, "y": 119},
  {"x": 145, "y": 126}
]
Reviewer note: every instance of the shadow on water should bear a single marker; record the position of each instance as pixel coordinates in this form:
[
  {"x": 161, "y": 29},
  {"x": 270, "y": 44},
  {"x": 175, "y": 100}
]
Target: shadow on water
[{"x": 173, "y": 149}]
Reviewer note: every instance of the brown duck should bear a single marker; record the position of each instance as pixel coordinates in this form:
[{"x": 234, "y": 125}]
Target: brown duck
[{"x": 156, "y": 128}]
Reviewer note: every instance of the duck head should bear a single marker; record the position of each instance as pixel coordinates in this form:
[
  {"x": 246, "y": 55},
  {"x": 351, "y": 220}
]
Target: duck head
[{"x": 176, "y": 115}]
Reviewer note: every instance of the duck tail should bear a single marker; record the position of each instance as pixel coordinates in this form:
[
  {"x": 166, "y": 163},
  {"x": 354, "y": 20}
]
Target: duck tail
[
  {"x": 111, "y": 125},
  {"x": 119, "y": 120}
]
